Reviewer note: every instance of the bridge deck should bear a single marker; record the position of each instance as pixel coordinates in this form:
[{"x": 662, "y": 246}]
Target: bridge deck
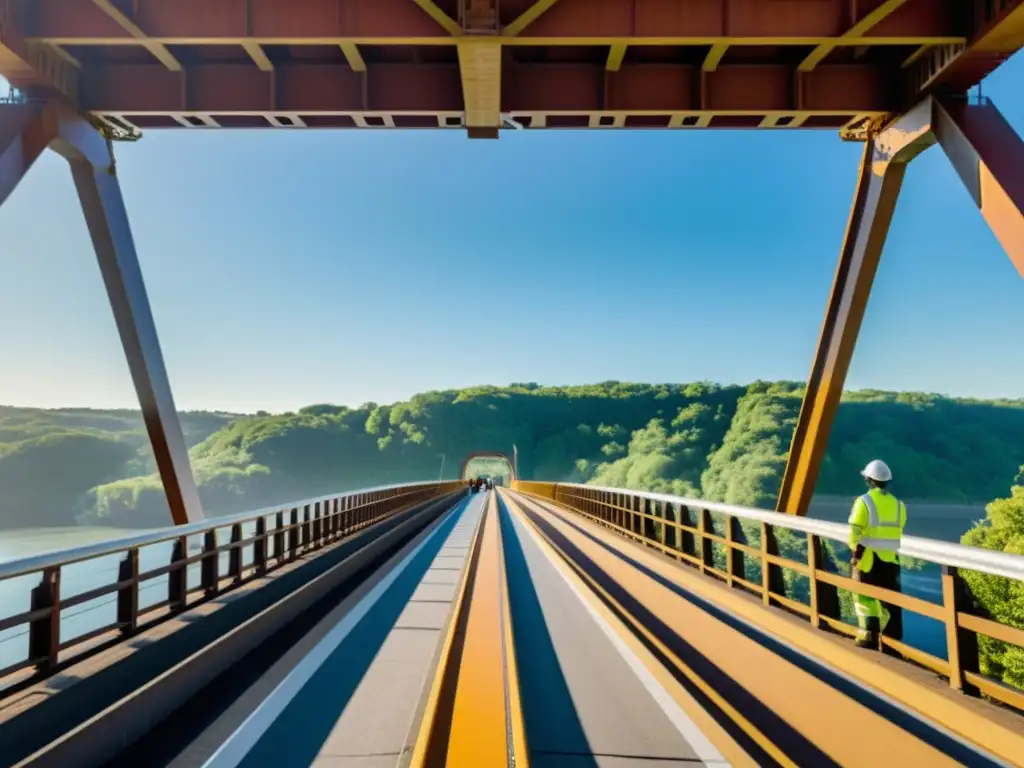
[{"x": 602, "y": 652}]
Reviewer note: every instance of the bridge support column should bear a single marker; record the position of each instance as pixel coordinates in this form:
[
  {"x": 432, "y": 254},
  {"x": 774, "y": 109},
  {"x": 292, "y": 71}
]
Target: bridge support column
[
  {"x": 878, "y": 186},
  {"x": 989, "y": 157},
  {"x": 28, "y": 129}
]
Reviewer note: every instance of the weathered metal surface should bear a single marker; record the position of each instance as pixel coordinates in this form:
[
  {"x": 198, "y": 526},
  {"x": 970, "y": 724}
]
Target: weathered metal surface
[{"x": 555, "y": 63}]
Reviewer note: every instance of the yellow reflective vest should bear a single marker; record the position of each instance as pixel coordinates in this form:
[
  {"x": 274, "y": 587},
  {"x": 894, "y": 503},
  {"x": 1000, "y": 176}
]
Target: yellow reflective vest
[{"x": 876, "y": 522}]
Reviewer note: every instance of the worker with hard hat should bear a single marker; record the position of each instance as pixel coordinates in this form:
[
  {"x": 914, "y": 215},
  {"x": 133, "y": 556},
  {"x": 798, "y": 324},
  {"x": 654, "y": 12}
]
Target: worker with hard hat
[{"x": 876, "y": 527}]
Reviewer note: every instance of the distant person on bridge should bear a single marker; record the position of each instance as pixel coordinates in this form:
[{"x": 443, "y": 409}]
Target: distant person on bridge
[{"x": 876, "y": 527}]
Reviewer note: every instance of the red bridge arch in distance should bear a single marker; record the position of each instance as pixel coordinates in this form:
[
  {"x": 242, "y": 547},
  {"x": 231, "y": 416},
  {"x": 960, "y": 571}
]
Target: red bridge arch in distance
[{"x": 487, "y": 455}]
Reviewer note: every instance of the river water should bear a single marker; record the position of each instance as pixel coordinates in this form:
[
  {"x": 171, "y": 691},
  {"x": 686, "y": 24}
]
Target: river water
[{"x": 926, "y": 634}]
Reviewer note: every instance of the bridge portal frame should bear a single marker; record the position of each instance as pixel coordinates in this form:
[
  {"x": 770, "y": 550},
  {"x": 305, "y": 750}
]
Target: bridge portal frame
[
  {"x": 988, "y": 155},
  {"x": 487, "y": 455},
  {"x": 27, "y": 130}
]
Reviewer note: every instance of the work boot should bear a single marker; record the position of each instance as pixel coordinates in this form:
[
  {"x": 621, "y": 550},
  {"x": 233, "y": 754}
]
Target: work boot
[{"x": 867, "y": 637}]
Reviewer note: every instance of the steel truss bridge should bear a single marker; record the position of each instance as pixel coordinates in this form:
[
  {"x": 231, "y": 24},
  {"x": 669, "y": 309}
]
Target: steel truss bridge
[{"x": 547, "y": 623}]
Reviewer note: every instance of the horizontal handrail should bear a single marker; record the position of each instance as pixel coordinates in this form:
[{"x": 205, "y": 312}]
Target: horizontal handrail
[
  {"x": 684, "y": 529},
  {"x": 934, "y": 551},
  {"x": 10, "y": 569},
  {"x": 281, "y": 534}
]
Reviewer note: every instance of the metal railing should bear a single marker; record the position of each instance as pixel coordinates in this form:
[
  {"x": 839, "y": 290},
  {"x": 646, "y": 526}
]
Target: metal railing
[
  {"x": 714, "y": 538},
  {"x": 186, "y": 564}
]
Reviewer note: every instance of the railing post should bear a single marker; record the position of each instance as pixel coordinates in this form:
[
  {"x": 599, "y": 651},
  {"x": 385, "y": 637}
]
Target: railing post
[
  {"x": 734, "y": 556},
  {"x": 772, "y": 579},
  {"x": 128, "y": 597},
  {"x": 44, "y": 633},
  {"x": 824, "y": 598},
  {"x": 279, "y": 537},
  {"x": 293, "y": 534},
  {"x": 307, "y": 528},
  {"x": 211, "y": 563},
  {"x": 647, "y": 524},
  {"x": 687, "y": 541},
  {"x": 670, "y": 516},
  {"x": 259, "y": 547},
  {"x": 707, "y": 552},
  {"x": 235, "y": 558},
  {"x": 177, "y": 579},
  {"x": 961, "y": 644}
]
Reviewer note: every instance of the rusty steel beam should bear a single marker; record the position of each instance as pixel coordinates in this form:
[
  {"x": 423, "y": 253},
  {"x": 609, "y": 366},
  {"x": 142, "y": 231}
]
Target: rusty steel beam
[
  {"x": 581, "y": 22},
  {"x": 318, "y": 87},
  {"x": 37, "y": 68},
  {"x": 989, "y": 157},
  {"x": 882, "y": 169},
  {"x": 996, "y": 33},
  {"x": 25, "y": 132},
  {"x": 92, "y": 167},
  {"x": 159, "y": 51}
]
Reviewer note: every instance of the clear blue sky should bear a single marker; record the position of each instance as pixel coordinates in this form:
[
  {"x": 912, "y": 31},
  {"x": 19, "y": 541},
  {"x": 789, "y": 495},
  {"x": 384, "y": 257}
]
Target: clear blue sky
[{"x": 288, "y": 268}]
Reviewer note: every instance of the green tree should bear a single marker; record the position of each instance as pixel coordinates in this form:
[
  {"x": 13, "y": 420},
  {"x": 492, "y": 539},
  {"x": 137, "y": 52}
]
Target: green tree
[{"x": 1002, "y": 599}]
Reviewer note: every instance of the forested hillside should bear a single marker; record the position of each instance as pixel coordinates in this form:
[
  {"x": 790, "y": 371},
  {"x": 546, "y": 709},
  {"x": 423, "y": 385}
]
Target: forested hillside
[
  {"x": 720, "y": 442},
  {"x": 50, "y": 458}
]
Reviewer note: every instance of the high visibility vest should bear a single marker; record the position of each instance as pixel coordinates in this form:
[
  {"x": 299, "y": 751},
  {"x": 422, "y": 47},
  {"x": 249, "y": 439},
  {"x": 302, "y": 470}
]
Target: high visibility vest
[{"x": 877, "y": 521}]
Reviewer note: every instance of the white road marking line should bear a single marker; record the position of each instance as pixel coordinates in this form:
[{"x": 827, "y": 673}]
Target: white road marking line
[{"x": 238, "y": 744}]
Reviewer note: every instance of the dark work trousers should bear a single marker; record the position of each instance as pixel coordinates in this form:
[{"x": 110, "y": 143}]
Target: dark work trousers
[{"x": 887, "y": 576}]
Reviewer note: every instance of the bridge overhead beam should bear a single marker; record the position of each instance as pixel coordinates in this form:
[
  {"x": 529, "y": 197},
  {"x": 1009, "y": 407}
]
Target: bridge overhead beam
[
  {"x": 478, "y": 82},
  {"x": 26, "y": 130},
  {"x": 576, "y": 22},
  {"x": 995, "y": 32},
  {"x": 989, "y": 157},
  {"x": 34, "y": 67}
]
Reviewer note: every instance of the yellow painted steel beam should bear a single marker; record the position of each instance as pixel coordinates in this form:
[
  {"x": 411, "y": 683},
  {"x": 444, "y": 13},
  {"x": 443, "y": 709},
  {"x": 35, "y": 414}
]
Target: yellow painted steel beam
[
  {"x": 478, "y": 734},
  {"x": 615, "y": 55},
  {"x": 527, "y": 17},
  {"x": 447, "y": 22},
  {"x": 426, "y": 749},
  {"x": 714, "y": 57},
  {"x": 258, "y": 56},
  {"x": 62, "y": 54},
  {"x": 159, "y": 50},
  {"x": 353, "y": 57},
  {"x": 876, "y": 16},
  {"x": 480, "y": 70},
  {"x": 506, "y": 39},
  {"x": 921, "y": 51}
]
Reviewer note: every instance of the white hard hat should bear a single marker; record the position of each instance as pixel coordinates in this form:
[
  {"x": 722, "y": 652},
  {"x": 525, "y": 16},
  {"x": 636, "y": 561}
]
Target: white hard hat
[{"x": 877, "y": 470}]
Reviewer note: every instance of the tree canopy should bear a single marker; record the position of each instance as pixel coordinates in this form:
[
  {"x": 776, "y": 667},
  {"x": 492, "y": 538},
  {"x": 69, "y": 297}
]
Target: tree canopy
[{"x": 722, "y": 442}]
